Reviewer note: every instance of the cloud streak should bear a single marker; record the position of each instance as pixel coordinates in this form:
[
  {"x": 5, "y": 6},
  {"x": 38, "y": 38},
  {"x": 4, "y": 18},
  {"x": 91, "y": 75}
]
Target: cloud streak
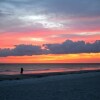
[{"x": 67, "y": 47}]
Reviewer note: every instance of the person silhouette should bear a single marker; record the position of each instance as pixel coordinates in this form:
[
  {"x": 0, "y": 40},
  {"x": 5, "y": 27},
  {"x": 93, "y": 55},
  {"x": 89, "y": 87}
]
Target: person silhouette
[{"x": 21, "y": 71}]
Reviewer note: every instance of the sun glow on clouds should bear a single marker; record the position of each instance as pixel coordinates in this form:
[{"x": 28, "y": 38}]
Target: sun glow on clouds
[{"x": 32, "y": 39}]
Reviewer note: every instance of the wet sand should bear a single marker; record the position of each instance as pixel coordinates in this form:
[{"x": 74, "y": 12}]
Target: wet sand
[{"x": 40, "y": 75}]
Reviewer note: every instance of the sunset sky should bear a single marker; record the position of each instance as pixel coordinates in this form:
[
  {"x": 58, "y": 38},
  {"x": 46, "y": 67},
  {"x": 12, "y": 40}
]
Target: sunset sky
[{"x": 49, "y": 31}]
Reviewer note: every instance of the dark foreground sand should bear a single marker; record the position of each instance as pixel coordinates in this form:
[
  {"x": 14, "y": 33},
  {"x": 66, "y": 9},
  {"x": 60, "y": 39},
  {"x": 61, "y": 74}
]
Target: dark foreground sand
[{"x": 78, "y": 86}]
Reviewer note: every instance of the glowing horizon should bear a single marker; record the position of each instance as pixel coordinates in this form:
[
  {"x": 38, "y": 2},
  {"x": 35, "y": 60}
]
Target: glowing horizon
[{"x": 51, "y": 58}]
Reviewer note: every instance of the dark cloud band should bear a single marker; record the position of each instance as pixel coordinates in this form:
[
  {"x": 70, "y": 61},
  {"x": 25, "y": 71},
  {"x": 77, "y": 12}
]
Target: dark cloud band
[{"x": 67, "y": 47}]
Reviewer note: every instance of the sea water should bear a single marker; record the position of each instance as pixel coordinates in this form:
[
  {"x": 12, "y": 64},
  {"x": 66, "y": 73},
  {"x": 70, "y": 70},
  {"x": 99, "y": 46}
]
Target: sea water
[{"x": 10, "y": 69}]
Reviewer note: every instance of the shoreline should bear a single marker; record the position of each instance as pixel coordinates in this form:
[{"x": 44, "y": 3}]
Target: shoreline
[{"x": 40, "y": 75}]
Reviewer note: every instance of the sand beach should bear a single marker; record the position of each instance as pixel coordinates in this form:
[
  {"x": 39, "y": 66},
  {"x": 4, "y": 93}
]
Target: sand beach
[{"x": 76, "y": 86}]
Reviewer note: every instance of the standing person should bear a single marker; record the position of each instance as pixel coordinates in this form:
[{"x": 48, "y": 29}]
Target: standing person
[{"x": 21, "y": 71}]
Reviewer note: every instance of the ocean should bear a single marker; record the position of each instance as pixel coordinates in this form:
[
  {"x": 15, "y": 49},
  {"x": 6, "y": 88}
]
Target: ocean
[{"x": 11, "y": 69}]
